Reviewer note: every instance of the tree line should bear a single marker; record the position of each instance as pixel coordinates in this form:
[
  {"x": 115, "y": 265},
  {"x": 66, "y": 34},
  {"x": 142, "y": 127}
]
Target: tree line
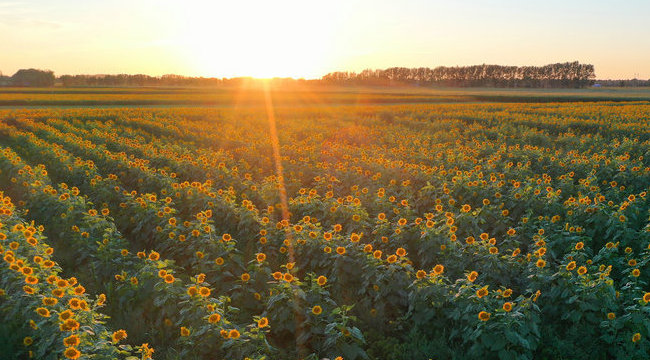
[
  {"x": 560, "y": 75},
  {"x": 138, "y": 80},
  {"x": 565, "y": 75},
  {"x": 45, "y": 78}
]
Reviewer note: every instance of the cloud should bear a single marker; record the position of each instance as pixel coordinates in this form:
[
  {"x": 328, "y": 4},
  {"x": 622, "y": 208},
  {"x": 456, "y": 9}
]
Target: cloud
[{"x": 18, "y": 14}]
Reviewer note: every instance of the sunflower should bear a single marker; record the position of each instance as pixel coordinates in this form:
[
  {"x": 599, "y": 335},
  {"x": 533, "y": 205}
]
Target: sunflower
[
  {"x": 204, "y": 291},
  {"x": 214, "y": 318},
  {"x": 482, "y": 292},
  {"x": 439, "y": 269},
  {"x": 316, "y": 310},
  {"x": 507, "y": 306},
  {"x": 70, "y": 325},
  {"x": 72, "y": 353},
  {"x": 192, "y": 291},
  {"x": 74, "y": 303},
  {"x": 484, "y": 316},
  {"x": 263, "y": 322},
  {"x": 185, "y": 331},
  {"x": 65, "y": 315},
  {"x": 72, "y": 340},
  {"x": 632, "y": 262},
  {"x": 322, "y": 280},
  {"x": 118, "y": 336},
  {"x": 49, "y": 301},
  {"x": 43, "y": 312}
]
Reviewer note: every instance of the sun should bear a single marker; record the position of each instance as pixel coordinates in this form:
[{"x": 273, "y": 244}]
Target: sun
[{"x": 264, "y": 42}]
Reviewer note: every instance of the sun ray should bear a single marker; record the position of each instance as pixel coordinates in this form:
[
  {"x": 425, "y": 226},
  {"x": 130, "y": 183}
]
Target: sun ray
[{"x": 286, "y": 216}]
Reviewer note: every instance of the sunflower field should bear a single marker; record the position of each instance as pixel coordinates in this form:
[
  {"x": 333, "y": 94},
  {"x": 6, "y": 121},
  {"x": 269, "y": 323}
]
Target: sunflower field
[{"x": 385, "y": 231}]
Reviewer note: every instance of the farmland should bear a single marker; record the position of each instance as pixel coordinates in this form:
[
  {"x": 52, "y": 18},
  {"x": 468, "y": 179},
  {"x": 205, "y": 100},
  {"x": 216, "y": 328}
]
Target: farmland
[
  {"x": 251, "y": 94},
  {"x": 362, "y": 224}
]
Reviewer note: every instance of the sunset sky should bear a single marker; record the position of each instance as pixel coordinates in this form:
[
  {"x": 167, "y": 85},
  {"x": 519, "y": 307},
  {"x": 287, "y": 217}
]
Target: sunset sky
[{"x": 311, "y": 38}]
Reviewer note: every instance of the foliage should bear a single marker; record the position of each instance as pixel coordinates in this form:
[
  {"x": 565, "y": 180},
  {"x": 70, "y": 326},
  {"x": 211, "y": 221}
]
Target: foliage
[{"x": 409, "y": 231}]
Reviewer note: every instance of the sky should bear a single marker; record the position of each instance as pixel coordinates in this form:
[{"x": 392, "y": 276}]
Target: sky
[{"x": 283, "y": 38}]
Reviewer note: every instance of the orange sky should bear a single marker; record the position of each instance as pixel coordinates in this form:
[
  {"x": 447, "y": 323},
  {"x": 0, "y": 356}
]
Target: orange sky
[{"x": 308, "y": 38}]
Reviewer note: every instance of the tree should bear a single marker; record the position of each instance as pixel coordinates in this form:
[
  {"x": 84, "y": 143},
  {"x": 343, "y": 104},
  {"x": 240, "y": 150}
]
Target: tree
[
  {"x": 33, "y": 77},
  {"x": 569, "y": 74}
]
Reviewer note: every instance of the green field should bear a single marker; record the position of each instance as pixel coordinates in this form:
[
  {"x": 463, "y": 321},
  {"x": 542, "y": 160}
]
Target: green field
[
  {"x": 360, "y": 223},
  {"x": 302, "y": 95}
]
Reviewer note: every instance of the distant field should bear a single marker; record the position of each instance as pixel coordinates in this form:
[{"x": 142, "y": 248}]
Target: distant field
[{"x": 302, "y": 96}]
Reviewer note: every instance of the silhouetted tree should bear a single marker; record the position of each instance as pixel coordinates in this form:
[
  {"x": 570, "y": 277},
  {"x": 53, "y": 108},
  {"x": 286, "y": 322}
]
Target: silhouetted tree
[
  {"x": 33, "y": 77},
  {"x": 570, "y": 74}
]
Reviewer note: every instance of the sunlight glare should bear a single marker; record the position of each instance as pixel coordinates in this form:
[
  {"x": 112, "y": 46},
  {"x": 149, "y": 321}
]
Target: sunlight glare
[{"x": 272, "y": 41}]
